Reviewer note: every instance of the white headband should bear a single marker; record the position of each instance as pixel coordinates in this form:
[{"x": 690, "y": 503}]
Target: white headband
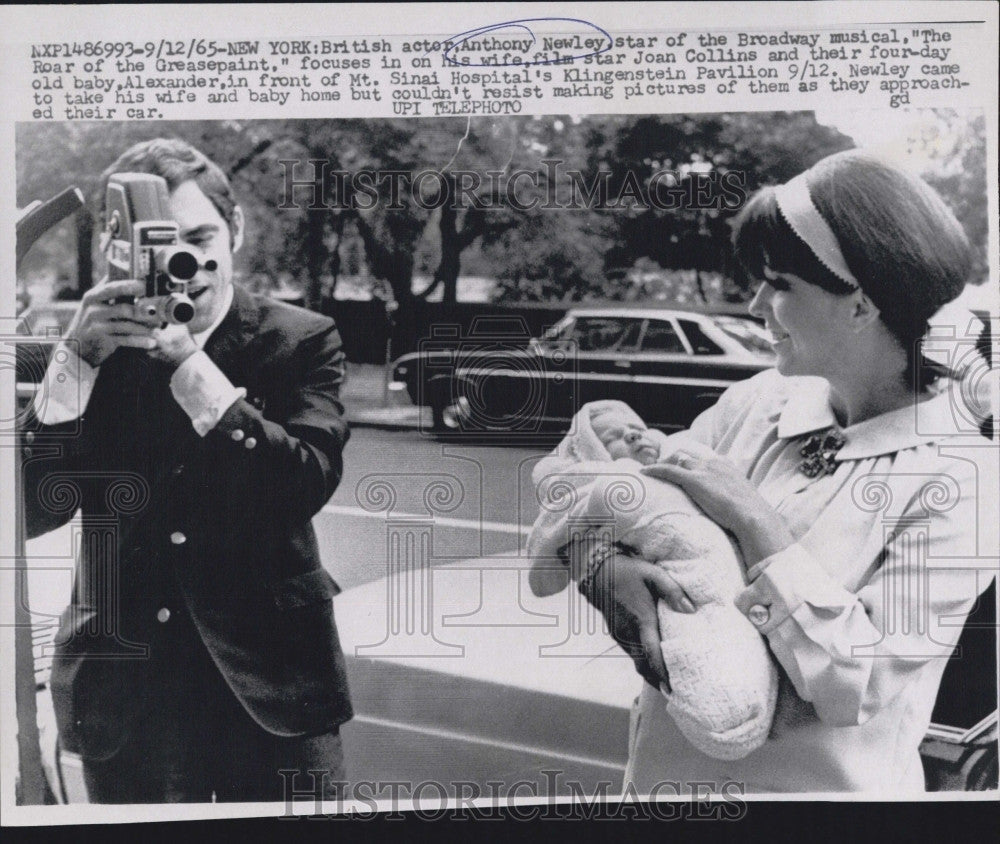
[{"x": 796, "y": 206}]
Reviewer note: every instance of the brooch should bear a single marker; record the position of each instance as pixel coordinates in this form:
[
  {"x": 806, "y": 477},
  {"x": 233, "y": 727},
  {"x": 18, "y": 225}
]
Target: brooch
[{"x": 819, "y": 451}]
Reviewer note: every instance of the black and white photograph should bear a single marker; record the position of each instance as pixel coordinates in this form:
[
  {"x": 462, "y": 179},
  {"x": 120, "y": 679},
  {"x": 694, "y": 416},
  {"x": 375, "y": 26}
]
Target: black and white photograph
[{"x": 474, "y": 458}]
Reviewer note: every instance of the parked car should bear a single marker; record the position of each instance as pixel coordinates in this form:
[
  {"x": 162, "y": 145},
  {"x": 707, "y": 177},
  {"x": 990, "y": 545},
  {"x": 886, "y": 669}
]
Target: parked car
[
  {"x": 669, "y": 365},
  {"x": 46, "y": 321}
]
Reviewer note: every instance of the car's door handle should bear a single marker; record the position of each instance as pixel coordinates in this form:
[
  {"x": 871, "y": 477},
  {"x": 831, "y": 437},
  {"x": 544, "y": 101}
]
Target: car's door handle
[{"x": 623, "y": 364}]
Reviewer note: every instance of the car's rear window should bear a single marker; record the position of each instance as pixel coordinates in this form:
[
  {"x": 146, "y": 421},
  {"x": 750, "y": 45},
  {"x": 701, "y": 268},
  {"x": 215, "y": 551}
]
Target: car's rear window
[
  {"x": 747, "y": 333},
  {"x": 660, "y": 336},
  {"x": 701, "y": 344},
  {"x": 600, "y": 334}
]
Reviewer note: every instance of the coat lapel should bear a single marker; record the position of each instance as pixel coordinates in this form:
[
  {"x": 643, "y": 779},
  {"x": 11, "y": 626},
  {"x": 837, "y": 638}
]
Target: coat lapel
[{"x": 231, "y": 346}]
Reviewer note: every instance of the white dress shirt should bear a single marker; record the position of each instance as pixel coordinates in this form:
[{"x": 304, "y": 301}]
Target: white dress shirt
[
  {"x": 863, "y": 610},
  {"x": 198, "y": 385}
]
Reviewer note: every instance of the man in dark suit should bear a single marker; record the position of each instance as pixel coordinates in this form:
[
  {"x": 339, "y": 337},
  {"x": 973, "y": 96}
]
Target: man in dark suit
[{"x": 199, "y": 658}]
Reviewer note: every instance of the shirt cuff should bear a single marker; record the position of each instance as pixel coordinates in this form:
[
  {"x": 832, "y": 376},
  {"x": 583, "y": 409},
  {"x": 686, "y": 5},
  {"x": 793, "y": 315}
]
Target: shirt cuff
[
  {"x": 66, "y": 387},
  {"x": 203, "y": 391},
  {"x": 783, "y": 582}
]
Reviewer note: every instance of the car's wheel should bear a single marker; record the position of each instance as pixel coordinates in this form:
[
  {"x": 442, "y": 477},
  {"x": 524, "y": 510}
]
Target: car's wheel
[
  {"x": 438, "y": 396},
  {"x": 456, "y": 416},
  {"x": 437, "y": 416},
  {"x": 983, "y": 775}
]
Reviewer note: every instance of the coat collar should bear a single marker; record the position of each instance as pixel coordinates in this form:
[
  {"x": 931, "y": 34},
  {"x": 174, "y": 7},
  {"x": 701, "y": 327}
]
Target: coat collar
[
  {"x": 238, "y": 330},
  {"x": 202, "y": 337},
  {"x": 808, "y": 409}
]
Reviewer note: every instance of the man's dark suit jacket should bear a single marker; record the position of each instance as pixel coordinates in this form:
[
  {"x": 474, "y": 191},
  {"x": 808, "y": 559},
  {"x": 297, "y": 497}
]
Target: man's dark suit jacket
[{"x": 220, "y": 525}]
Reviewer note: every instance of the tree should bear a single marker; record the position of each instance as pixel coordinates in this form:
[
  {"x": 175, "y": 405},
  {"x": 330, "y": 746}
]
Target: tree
[
  {"x": 454, "y": 240},
  {"x": 704, "y": 154},
  {"x": 955, "y": 145},
  {"x": 577, "y": 241},
  {"x": 390, "y": 230},
  {"x": 544, "y": 243}
]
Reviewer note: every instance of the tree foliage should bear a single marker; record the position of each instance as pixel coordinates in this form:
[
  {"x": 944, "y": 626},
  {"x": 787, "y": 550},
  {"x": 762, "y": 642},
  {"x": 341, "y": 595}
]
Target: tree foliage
[
  {"x": 956, "y": 146},
  {"x": 568, "y": 245}
]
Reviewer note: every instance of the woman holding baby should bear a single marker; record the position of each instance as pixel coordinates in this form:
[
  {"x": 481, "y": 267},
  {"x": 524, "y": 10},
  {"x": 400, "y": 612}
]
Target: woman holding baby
[{"x": 840, "y": 478}]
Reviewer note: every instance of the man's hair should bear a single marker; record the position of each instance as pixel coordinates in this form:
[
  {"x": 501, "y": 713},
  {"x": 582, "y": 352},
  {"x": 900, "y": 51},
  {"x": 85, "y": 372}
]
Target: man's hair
[{"x": 177, "y": 162}]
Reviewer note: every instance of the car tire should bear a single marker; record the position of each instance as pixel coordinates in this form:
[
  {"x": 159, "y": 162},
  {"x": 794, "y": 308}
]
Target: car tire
[
  {"x": 437, "y": 417},
  {"x": 984, "y": 774},
  {"x": 438, "y": 397}
]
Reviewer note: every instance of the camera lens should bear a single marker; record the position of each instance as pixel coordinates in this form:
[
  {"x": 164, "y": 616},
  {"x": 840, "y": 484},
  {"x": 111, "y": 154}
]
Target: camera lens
[
  {"x": 182, "y": 265},
  {"x": 180, "y": 310}
]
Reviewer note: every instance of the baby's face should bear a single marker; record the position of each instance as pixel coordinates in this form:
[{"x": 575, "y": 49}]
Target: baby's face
[{"x": 625, "y": 438}]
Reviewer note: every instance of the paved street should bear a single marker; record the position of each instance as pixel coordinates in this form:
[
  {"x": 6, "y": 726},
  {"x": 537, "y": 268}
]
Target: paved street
[{"x": 479, "y": 499}]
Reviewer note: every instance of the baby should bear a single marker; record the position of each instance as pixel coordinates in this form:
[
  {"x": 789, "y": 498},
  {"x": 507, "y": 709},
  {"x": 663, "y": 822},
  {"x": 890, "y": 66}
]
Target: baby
[{"x": 723, "y": 684}]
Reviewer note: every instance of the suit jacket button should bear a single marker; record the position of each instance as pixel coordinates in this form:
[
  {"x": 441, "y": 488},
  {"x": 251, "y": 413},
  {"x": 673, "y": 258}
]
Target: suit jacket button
[
  {"x": 178, "y": 538},
  {"x": 250, "y": 443},
  {"x": 237, "y": 435},
  {"x": 29, "y": 436},
  {"x": 163, "y": 615}
]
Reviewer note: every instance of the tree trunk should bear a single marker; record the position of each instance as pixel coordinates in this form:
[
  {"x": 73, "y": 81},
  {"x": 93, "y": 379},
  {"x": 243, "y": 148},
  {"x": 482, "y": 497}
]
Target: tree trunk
[
  {"x": 451, "y": 249},
  {"x": 453, "y": 242},
  {"x": 393, "y": 265},
  {"x": 701, "y": 286},
  {"x": 335, "y": 261},
  {"x": 447, "y": 274},
  {"x": 316, "y": 257}
]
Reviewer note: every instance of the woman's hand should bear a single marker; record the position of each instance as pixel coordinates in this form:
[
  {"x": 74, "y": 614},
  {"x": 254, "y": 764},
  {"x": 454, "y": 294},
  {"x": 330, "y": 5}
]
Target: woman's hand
[
  {"x": 727, "y": 498},
  {"x": 625, "y": 590},
  {"x": 713, "y": 483}
]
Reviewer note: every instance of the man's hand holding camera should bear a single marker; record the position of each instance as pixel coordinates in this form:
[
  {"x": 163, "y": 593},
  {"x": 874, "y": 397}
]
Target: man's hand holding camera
[
  {"x": 174, "y": 344},
  {"x": 143, "y": 302},
  {"x": 106, "y": 321}
]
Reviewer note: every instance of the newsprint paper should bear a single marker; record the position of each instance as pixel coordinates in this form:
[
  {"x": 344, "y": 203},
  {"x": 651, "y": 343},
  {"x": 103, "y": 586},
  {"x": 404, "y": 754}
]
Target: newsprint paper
[{"x": 441, "y": 180}]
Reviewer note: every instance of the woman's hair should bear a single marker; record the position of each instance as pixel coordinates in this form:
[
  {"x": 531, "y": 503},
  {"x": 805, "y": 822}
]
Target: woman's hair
[
  {"x": 177, "y": 162},
  {"x": 901, "y": 242}
]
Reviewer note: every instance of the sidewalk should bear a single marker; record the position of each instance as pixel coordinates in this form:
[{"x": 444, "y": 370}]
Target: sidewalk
[{"x": 368, "y": 403}]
